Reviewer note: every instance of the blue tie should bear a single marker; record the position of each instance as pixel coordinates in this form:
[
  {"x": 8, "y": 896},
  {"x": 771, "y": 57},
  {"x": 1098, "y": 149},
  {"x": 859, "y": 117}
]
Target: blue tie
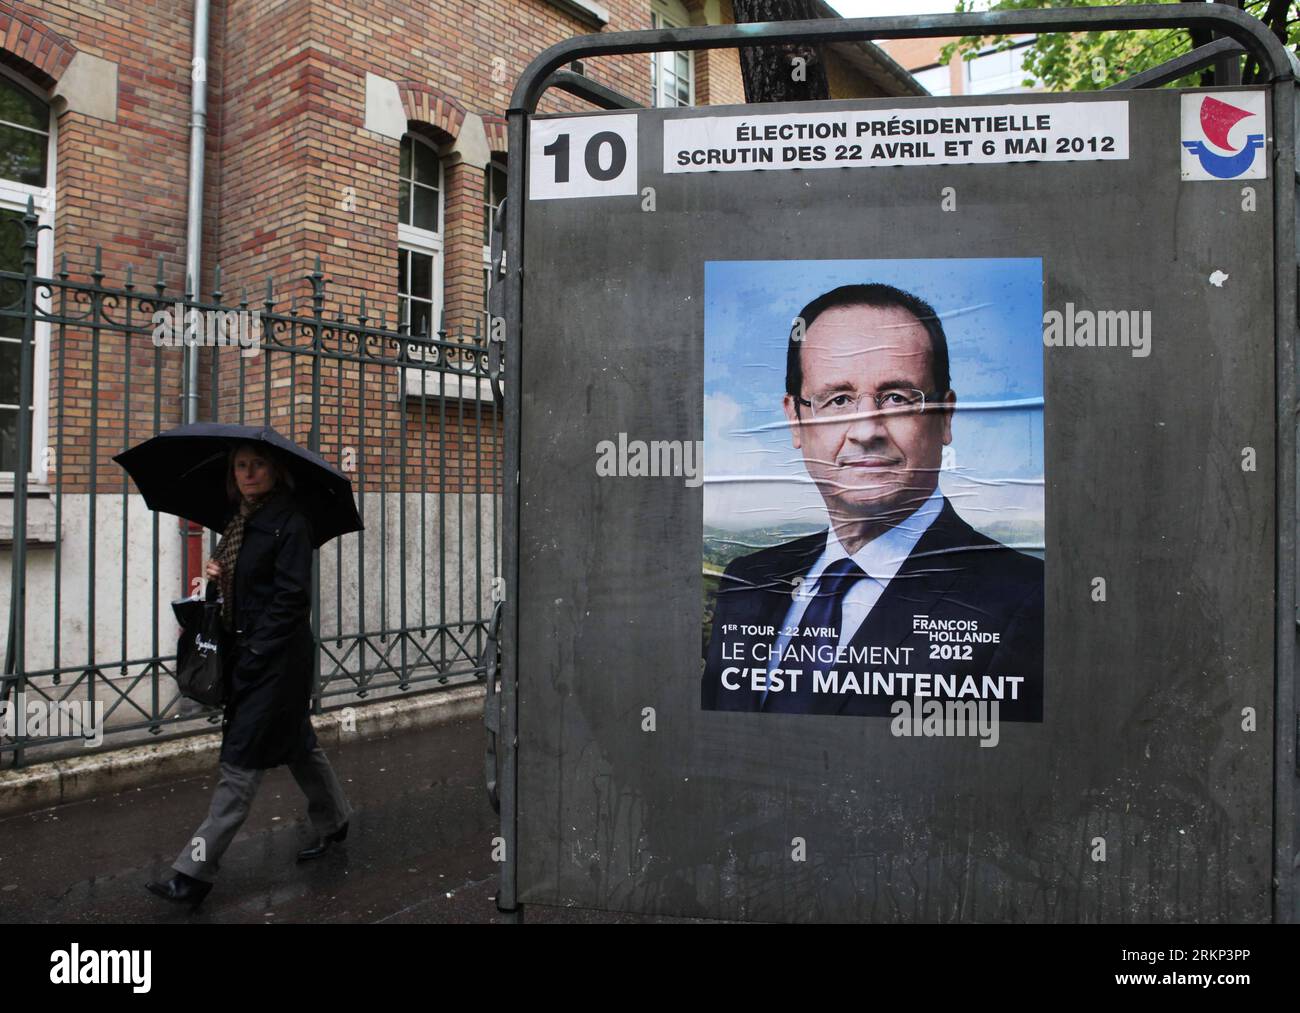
[{"x": 824, "y": 613}]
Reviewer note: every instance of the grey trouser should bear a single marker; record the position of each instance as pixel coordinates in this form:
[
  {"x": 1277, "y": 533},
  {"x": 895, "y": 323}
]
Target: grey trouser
[{"x": 327, "y": 809}]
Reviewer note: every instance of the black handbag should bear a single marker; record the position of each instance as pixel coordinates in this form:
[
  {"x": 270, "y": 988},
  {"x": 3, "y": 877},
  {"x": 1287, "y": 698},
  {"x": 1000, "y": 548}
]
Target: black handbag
[{"x": 203, "y": 648}]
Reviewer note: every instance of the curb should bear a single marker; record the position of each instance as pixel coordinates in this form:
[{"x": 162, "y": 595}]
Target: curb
[{"x": 77, "y": 778}]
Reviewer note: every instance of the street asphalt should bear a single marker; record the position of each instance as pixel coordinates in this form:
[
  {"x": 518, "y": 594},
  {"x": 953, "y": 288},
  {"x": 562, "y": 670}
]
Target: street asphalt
[{"x": 419, "y": 848}]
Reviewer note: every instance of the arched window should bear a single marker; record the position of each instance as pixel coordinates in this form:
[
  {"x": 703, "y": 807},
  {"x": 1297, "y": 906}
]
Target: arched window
[
  {"x": 26, "y": 171},
  {"x": 672, "y": 74},
  {"x": 494, "y": 192},
  {"x": 419, "y": 235}
]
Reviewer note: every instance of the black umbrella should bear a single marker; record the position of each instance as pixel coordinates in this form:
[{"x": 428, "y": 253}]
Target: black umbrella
[{"x": 183, "y": 472}]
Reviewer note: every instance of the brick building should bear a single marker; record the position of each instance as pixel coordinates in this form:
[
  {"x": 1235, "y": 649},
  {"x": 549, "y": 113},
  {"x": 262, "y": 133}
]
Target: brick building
[
  {"x": 370, "y": 137},
  {"x": 991, "y": 71}
]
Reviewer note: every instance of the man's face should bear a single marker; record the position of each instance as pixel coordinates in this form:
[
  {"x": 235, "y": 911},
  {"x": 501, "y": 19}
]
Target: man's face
[{"x": 871, "y": 464}]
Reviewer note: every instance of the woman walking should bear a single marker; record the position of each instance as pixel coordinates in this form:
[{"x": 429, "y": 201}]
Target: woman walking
[{"x": 263, "y": 567}]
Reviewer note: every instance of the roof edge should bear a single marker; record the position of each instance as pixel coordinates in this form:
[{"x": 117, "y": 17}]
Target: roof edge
[{"x": 882, "y": 68}]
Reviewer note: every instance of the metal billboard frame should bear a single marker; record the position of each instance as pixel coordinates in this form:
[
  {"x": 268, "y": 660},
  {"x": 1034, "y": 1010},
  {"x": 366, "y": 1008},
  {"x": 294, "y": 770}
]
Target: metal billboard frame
[{"x": 1281, "y": 71}]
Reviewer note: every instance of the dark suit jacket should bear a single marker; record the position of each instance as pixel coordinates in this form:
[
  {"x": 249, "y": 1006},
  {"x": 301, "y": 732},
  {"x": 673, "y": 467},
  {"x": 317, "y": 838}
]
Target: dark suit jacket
[{"x": 953, "y": 573}]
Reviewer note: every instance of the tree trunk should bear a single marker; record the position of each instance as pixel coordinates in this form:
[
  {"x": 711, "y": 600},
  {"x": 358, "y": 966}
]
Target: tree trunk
[{"x": 781, "y": 73}]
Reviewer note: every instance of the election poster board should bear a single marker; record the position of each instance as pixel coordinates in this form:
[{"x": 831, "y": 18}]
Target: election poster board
[{"x": 1100, "y": 461}]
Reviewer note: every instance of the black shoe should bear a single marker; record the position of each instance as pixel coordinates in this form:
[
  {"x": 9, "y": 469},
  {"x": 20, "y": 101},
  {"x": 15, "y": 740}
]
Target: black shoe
[
  {"x": 322, "y": 844},
  {"x": 182, "y": 889}
]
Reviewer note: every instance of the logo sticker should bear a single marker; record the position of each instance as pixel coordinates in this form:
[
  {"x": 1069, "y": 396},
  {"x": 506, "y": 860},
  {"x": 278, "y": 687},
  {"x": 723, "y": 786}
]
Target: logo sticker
[{"x": 1223, "y": 136}]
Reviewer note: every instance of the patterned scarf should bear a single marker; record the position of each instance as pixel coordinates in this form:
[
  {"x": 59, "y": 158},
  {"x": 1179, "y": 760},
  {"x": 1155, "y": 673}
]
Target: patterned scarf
[{"x": 227, "y": 554}]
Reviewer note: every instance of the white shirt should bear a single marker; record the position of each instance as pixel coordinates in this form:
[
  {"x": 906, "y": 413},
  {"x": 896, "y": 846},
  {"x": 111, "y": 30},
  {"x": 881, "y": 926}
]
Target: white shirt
[{"x": 880, "y": 559}]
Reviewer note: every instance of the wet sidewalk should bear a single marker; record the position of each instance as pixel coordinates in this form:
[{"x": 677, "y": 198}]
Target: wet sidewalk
[{"x": 418, "y": 850}]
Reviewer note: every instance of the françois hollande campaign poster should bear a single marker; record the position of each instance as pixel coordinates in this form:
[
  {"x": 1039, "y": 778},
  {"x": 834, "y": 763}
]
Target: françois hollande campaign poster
[{"x": 873, "y": 487}]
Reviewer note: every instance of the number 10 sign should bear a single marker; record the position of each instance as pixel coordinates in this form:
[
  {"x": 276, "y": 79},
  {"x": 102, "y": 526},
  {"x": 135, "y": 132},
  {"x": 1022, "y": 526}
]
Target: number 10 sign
[{"x": 582, "y": 156}]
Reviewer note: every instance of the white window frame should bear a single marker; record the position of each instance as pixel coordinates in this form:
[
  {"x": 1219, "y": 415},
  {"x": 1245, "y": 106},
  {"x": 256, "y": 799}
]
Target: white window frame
[
  {"x": 13, "y": 196},
  {"x": 947, "y": 79},
  {"x": 423, "y": 241},
  {"x": 665, "y": 15},
  {"x": 1014, "y": 79},
  {"x": 418, "y": 382},
  {"x": 487, "y": 247}
]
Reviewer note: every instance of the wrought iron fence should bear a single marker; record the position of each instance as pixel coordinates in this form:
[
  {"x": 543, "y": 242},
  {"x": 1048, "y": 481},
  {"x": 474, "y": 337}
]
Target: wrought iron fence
[{"x": 403, "y": 605}]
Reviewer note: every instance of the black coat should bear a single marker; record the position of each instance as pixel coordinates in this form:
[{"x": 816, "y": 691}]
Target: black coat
[
  {"x": 953, "y": 573},
  {"x": 271, "y": 678}
]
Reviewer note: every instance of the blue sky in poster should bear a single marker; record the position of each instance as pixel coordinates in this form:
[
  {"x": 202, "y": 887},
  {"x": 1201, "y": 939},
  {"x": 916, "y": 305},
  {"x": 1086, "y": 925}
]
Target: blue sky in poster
[{"x": 992, "y": 313}]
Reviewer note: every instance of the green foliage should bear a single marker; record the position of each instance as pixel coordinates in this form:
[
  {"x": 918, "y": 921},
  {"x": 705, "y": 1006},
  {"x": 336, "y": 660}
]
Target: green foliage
[{"x": 1088, "y": 61}]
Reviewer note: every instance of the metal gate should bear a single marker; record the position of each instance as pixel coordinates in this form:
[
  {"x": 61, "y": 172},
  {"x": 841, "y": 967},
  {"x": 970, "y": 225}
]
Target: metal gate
[{"x": 404, "y": 605}]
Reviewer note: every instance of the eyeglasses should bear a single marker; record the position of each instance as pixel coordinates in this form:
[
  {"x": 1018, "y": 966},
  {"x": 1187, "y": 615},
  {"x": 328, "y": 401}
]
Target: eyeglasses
[{"x": 893, "y": 401}]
